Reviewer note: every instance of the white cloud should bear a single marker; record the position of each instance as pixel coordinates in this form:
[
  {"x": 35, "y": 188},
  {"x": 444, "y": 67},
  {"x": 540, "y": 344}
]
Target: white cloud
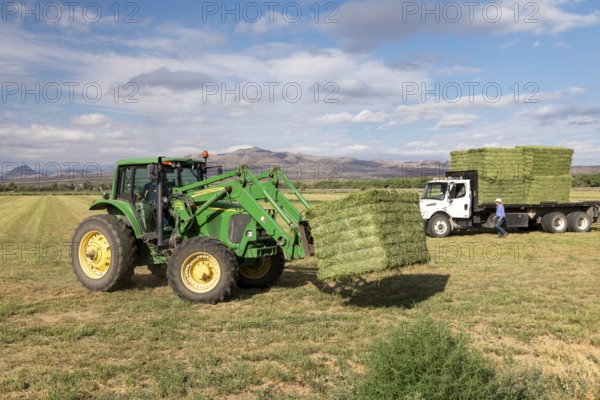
[
  {"x": 91, "y": 120},
  {"x": 456, "y": 121},
  {"x": 459, "y": 70},
  {"x": 365, "y": 24},
  {"x": 345, "y": 117}
]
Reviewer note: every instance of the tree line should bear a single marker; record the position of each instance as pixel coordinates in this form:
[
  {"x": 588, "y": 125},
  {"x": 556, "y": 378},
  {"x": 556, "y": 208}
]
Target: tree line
[{"x": 579, "y": 180}]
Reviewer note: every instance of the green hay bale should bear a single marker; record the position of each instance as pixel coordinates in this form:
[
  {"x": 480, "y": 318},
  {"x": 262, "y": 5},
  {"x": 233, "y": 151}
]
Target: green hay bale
[
  {"x": 546, "y": 161},
  {"x": 549, "y": 189},
  {"x": 367, "y": 232},
  {"x": 525, "y": 174}
]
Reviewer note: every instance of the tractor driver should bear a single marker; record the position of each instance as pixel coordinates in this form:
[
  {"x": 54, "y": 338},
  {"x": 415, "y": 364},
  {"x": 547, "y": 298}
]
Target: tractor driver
[{"x": 148, "y": 192}]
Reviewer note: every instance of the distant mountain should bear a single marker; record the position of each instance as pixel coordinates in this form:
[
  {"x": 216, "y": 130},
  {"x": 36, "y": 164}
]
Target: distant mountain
[
  {"x": 54, "y": 172},
  {"x": 585, "y": 169},
  {"x": 22, "y": 172},
  {"x": 303, "y": 167}
]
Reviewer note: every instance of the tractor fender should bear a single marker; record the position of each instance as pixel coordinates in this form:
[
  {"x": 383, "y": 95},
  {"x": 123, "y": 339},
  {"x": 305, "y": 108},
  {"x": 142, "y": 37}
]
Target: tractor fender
[{"x": 120, "y": 208}]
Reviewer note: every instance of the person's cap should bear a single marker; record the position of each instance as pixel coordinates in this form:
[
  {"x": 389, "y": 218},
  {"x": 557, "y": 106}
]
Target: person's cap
[{"x": 498, "y": 200}]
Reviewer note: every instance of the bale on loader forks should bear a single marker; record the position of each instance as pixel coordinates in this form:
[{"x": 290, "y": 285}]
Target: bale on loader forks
[{"x": 205, "y": 233}]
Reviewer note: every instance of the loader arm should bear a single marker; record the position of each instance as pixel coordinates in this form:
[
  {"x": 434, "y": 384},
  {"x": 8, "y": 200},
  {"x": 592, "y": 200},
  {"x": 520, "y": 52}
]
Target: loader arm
[{"x": 245, "y": 190}]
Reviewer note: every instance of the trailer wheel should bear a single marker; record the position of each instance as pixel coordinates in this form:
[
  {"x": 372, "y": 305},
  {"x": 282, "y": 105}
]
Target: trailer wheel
[
  {"x": 554, "y": 222},
  {"x": 262, "y": 273},
  {"x": 578, "y": 221},
  {"x": 103, "y": 253},
  {"x": 439, "y": 226},
  {"x": 202, "y": 270}
]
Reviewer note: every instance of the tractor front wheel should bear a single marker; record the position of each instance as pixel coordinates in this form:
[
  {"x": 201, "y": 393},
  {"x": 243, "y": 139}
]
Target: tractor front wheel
[
  {"x": 103, "y": 253},
  {"x": 263, "y": 272},
  {"x": 202, "y": 270}
]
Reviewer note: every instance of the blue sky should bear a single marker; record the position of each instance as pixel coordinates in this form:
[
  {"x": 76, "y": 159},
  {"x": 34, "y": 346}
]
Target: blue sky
[{"x": 384, "y": 79}]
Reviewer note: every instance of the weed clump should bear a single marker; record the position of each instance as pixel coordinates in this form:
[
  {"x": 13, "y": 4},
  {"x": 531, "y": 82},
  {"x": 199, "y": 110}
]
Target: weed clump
[{"x": 425, "y": 360}]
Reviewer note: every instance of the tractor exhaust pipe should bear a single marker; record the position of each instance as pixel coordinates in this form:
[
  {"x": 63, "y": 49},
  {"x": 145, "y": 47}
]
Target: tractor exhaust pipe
[{"x": 159, "y": 205}]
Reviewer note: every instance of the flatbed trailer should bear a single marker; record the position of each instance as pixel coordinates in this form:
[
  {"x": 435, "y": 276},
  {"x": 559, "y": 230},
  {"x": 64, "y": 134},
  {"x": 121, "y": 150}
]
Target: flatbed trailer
[{"x": 452, "y": 204}]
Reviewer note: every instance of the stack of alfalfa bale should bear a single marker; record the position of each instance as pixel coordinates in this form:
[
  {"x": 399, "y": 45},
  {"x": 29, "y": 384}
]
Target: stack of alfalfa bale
[
  {"x": 522, "y": 175},
  {"x": 500, "y": 171},
  {"x": 367, "y": 232},
  {"x": 547, "y": 173}
]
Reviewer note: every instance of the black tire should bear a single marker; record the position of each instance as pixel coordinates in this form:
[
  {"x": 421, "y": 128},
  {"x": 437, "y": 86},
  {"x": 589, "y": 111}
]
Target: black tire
[
  {"x": 158, "y": 270},
  {"x": 578, "y": 221},
  {"x": 554, "y": 222},
  {"x": 262, "y": 273},
  {"x": 439, "y": 226},
  {"x": 206, "y": 256},
  {"x": 103, "y": 253}
]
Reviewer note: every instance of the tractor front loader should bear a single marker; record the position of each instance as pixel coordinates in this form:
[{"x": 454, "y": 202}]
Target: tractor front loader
[{"x": 207, "y": 234}]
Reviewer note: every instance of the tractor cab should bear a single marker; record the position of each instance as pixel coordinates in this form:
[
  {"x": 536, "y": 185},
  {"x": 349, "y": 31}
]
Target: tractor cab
[{"x": 139, "y": 182}]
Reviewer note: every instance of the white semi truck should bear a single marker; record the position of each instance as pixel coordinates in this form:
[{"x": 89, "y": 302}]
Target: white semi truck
[{"x": 451, "y": 204}]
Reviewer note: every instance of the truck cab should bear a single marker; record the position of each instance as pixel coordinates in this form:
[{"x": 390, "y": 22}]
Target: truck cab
[{"x": 444, "y": 202}]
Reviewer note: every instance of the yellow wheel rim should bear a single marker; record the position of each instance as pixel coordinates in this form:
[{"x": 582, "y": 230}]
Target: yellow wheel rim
[
  {"x": 258, "y": 272},
  {"x": 94, "y": 254},
  {"x": 201, "y": 272}
]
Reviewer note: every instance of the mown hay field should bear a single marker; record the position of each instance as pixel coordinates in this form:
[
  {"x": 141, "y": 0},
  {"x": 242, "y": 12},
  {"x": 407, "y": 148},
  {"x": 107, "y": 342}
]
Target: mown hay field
[{"x": 529, "y": 301}]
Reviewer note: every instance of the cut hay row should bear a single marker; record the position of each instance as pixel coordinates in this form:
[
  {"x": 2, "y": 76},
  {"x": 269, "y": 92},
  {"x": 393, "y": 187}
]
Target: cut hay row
[
  {"x": 367, "y": 232},
  {"x": 525, "y": 174}
]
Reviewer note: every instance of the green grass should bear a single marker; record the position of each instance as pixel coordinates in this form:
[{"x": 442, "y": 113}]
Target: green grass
[{"x": 529, "y": 302}]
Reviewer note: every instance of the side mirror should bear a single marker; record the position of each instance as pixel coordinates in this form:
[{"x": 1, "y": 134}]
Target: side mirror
[{"x": 152, "y": 171}]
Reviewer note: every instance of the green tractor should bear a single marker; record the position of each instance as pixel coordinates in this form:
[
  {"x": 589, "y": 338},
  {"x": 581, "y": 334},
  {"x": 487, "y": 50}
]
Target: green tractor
[{"x": 205, "y": 233}]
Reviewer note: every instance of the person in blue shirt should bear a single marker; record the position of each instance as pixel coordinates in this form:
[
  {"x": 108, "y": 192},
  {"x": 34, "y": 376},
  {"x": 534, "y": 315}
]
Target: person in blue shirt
[{"x": 500, "y": 215}]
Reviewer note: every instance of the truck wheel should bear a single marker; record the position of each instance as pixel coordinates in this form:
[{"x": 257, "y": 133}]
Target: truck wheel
[
  {"x": 103, "y": 253},
  {"x": 202, "y": 270},
  {"x": 262, "y": 273},
  {"x": 578, "y": 221},
  {"x": 554, "y": 222},
  {"x": 438, "y": 226}
]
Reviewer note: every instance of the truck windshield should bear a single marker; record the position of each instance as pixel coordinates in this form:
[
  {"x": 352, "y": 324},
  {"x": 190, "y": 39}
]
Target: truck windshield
[{"x": 435, "y": 191}]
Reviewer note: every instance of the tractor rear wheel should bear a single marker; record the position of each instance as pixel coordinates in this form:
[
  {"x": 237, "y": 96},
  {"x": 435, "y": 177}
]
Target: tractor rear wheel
[
  {"x": 262, "y": 273},
  {"x": 202, "y": 270},
  {"x": 103, "y": 253}
]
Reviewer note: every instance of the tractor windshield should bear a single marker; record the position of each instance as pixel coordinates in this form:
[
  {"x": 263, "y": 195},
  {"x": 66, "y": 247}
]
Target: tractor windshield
[
  {"x": 183, "y": 176},
  {"x": 435, "y": 190}
]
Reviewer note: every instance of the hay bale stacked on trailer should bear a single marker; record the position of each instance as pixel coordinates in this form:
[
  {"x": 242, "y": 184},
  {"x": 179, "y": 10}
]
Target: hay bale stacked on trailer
[
  {"x": 500, "y": 171},
  {"x": 547, "y": 173},
  {"x": 525, "y": 174},
  {"x": 367, "y": 232}
]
